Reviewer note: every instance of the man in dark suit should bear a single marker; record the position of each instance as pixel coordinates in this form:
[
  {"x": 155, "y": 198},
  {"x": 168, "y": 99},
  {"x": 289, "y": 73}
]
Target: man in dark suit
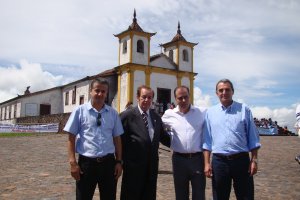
[{"x": 143, "y": 131}]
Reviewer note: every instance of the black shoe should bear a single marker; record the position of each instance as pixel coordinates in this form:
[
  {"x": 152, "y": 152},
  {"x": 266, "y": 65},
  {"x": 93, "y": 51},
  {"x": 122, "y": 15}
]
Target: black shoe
[{"x": 297, "y": 158}]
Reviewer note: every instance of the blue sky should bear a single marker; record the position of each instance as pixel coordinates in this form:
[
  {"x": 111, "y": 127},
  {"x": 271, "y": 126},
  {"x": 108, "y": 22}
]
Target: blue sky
[{"x": 254, "y": 43}]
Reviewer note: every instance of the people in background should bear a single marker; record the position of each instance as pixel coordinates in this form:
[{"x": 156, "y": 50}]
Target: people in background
[{"x": 129, "y": 105}]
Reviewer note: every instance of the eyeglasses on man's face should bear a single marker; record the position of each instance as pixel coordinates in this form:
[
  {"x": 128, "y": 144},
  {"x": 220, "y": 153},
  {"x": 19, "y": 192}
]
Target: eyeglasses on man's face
[{"x": 99, "y": 119}]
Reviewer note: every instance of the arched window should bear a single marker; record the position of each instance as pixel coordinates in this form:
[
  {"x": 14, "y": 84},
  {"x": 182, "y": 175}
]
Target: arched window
[
  {"x": 185, "y": 55},
  {"x": 140, "y": 46},
  {"x": 171, "y": 54},
  {"x": 124, "y": 47}
]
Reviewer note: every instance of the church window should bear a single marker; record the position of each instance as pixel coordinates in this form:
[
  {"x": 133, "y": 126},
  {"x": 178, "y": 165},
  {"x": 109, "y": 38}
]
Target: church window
[
  {"x": 67, "y": 98},
  {"x": 15, "y": 111},
  {"x": 171, "y": 55},
  {"x": 74, "y": 95},
  {"x": 81, "y": 99},
  {"x": 9, "y": 112},
  {"x": 185, "y": 55},
  {"x": 124, "y": 47},
  {"x": 140, "y": 46}
]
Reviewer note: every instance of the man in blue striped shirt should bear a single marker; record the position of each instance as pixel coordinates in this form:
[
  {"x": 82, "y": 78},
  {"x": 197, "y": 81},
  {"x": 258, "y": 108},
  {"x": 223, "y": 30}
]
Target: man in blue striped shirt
[{"x": 230, "y": 134}]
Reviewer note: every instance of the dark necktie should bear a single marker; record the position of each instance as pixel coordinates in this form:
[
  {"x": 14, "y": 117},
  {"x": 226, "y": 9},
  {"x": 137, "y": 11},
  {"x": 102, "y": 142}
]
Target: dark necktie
[{"x": 144, "y": 115}]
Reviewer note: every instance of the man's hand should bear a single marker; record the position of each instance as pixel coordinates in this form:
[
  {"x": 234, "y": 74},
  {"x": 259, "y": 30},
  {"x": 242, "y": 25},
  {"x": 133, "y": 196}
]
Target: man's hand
[
  {"x": 253, "y": 168},
  {"x": 118, "y": 170},
  {"x": 208, "y": 170},
  {"x": 75, "y": 171}
]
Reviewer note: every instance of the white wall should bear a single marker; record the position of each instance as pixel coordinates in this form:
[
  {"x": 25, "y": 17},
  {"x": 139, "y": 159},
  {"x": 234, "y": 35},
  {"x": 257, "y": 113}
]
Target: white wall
[
  {"x": 184, "y": 65},
  {"x": 186, "y": 81},
  {"x": 167, "y": 53},
  {"x": 124, "y": 87},
  {"x": 162, "y": 62},
  {"x": 140, "y": 58},
  {"x": 139, "y": 79},
  {"x": 52, "y": 97},
  {"x": 125, "y": 58},
  {"x": 82, "y": 88},
  {"x": 11, "y": 105},
  {"x": 163, "y": 81}
]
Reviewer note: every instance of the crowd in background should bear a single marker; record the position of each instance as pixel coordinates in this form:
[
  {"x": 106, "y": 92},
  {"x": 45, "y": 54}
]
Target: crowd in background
[{"x": 269, "y": 123}]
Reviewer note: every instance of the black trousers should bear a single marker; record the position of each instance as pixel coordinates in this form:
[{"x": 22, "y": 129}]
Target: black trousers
[
  {"x": 138, "y": 183},
  {"x": 226, "y": 171},
  {"x": 186, "y": 171},
  {"x": 96, "y": 172}
]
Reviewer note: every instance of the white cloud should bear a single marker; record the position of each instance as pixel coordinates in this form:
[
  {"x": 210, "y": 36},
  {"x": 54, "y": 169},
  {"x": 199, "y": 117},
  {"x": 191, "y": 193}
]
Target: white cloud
[
  {"x": 201, "y": 100},
  {"x": 14, "y": 80},
  {"x": 285, "y": 116}
]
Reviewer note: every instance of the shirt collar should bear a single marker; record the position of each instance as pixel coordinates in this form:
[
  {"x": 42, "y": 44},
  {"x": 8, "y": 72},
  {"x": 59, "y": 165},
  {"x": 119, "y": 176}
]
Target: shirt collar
[
  {"x": 141, "y": 111},
  {"x": 227, "y": 108},
  {"x": 176, "y": 109},
  {"x": 90, "y": 107}
]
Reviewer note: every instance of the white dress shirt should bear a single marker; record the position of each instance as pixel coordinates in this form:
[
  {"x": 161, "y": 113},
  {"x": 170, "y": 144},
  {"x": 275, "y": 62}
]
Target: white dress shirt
[{"x": 186, "y": 130}]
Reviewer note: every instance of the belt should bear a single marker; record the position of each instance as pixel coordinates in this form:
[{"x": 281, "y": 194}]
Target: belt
[
  {"x": 97, "y": 159},
  {"x": 188, "y": 155},
  {"x": 232, "y": 156}
]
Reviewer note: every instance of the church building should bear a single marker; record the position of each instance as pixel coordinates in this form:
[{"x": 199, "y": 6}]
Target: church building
[{"x": 162, "y": 72}]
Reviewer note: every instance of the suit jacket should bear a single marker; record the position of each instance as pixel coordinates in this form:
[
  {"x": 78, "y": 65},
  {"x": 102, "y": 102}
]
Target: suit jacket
[{"x": 140, "y": 154}]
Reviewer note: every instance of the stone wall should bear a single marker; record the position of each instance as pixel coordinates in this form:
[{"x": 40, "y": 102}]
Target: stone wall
[{"x": 56, "y": 118}]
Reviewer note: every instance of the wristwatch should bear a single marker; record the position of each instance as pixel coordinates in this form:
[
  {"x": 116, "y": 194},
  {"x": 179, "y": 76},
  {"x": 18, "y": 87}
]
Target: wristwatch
[
  {"x": 254, "y": 160},
  {"x": 119, "y": 161}
]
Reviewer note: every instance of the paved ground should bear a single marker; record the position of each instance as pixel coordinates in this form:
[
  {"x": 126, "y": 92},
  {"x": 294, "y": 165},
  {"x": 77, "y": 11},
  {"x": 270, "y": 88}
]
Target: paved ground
[{"x": 36, "y": 168}]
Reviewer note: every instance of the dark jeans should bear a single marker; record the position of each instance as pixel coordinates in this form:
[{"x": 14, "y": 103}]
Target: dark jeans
[
  {"x": 189, "y": 170},
  {"x": 224, "y": 171},
  {"x": 95, "y": 172}
]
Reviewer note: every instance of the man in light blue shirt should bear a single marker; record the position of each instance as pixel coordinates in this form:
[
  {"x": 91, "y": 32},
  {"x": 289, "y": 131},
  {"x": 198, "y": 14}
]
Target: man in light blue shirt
[
  {"x": 230, "y": 134},
  {"x": 96, "y": 129}
]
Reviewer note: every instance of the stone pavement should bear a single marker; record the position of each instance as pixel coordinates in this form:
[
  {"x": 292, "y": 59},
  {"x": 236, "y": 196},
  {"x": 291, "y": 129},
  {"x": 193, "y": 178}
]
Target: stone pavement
[{"x": 36, "y": 167}]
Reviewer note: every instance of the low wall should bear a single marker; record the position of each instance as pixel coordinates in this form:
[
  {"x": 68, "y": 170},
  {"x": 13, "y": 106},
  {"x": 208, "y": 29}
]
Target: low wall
[{"x": 57, "y": 118}]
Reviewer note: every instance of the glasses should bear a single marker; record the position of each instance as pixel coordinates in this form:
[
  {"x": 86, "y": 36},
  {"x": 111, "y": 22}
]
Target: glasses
[{"x": 99, "y": 119}]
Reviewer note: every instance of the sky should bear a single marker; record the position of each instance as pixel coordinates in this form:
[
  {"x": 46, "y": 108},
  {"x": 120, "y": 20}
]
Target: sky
[{"x": 255, "y": 44}]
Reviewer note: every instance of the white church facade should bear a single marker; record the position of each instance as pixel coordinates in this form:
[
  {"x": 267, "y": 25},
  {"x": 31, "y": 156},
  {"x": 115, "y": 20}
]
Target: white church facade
[{"x": 162, "y": 72}]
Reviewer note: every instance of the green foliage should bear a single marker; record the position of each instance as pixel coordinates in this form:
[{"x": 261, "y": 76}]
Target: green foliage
[{"x": 21, "y": 134}]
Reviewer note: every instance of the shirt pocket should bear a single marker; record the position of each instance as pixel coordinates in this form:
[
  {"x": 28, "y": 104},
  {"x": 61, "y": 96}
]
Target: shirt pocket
[{"x": 107, "y": 124}]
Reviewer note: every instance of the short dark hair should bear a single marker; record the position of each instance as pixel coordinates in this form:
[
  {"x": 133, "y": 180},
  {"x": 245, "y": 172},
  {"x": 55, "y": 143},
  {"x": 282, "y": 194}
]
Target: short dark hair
[
  {"x": 138, "y": 92},
  {"x": 101, "y": 81},
  {"x": 224, "y": 80},
  {"x": 182, "y": 86}
]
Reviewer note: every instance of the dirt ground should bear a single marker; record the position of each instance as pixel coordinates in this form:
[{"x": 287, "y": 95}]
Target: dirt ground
[{"x": 36, "y": 167}]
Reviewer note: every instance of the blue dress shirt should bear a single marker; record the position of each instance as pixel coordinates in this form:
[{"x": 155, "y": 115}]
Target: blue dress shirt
[
  {"x": 93, "y": 140},
  {"x": 230, "y": 130}
]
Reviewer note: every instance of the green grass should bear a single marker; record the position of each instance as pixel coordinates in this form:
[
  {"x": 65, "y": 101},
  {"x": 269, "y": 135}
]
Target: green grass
[{"x": 21, "y": 134}]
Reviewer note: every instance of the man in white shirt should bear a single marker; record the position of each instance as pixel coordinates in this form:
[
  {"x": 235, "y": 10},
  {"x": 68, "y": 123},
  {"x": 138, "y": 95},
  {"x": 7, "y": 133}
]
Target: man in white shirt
[{"x": 185, "y": 123}]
